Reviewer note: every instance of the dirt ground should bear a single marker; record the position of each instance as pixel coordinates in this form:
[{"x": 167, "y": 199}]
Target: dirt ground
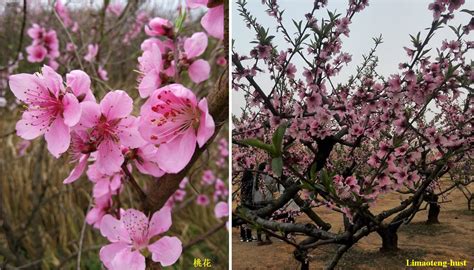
[{"x": 452, "y": 239}]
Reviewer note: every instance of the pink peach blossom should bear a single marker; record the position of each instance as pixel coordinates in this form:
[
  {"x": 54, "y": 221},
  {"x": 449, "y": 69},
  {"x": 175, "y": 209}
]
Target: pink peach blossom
[
  {"x": 202, "y": 200},
  {"x": 221, "y": 210},
  {"x": 36, "y": 53},
  {"x": 159, "y": 27},
  {"x": 173, "y": 119},
  {"x": 52, "y": 108},
  {"x": 110, "y": 126},
  {"x": 92, "y": 50},
  {"x": 194, "y": 47},
  {"x": 102, "y": 73},
  {"x": 150, "y": 66},
  {"x": 132, "y": 234}
]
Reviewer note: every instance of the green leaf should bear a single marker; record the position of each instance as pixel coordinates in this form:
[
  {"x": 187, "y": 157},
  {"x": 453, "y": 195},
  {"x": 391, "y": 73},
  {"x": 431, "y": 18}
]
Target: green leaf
[
  {"x": 180, "y": 21},
  {"x": 312, "y": 171},
  {"x": 277, "y": 166},
  {"x": 277, "y": 138},
  {"x": 326, "y": 180},
  {"x": 259, "y": 144}
]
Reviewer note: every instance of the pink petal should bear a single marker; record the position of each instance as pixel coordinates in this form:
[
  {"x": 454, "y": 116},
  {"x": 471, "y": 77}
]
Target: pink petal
[
  {"x": 116, "y": 182},
  {"x": 58, "y": 137},
  {"x": 108, "y": 252},
  {"x": 116, "y": 104},
  {"x": 206, "y": 124},
  {"x": 109, "y": 157},
  {"x": 151, "y": 59},
  {"x": 174, "y": 156},
  {"x": 213, "y": 22},
  {"x": 52, "y": 80},
  {"x": 36, "y": 53},
  {"x": 114, "y": 230},
  {"x": 128, "y": 260},
  {"x": 136, "y": 223},
  {"x": 150, "y": 82},
  {"x": 196, "y": 3},
  {"x": 151, "y": 168},
  {"x": 19, "y": 83},
  {"x": 72, "y": 110},
  {"x": 221, "y": 209},
  {"x": 94, "y": 217},
  {"x": 26, "y": 130},
  {"x": 80, "y": 84},
  {"x": 77, "y": 171},
  {"x": 195, "y": 45},
  {"x": 167, "y": 250},
  {"x": 90, "y": 114},
  {"x": 128, "y": 133},
  {"x": 160, "y": 222},
  {"x": 101, "y": 188},
  {"x": 199, "y": 71}
]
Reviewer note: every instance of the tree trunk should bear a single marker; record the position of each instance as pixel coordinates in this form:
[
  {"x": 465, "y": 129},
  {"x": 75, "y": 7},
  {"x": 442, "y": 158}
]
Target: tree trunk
[
  {"x": 434, "y": 209},
  {"x": 389, "y": 239},
  {"x": 305, "y": 265},
  {"x": 301, "y": 256}
]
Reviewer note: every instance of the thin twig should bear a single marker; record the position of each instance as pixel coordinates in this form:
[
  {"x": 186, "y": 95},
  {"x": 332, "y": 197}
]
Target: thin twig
[
  {"x": 204, "y": 236},
  {"x": 132, "y": 181},
  {"x": 81, "y": 239}
]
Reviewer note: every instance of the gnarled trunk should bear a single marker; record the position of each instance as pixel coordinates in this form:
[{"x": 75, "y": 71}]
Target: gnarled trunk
[
  {"x": 433, "y": 210},
  {"x": 389, "y": 238}
]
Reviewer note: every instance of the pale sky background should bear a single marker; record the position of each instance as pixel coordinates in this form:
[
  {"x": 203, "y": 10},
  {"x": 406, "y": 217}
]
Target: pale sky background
[{"x": 394, "y": 19}]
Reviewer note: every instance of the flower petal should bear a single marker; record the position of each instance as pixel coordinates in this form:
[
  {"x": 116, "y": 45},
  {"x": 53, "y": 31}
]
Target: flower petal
[
  {"x": 150, "y": 82},
  {"x": 136, "y": 223},
  {"x": 72, "y": 110},
  {"x": 58, "y": 137},
  {"x": 174, "y": 156},
  {"x": 90, "y": 114},
  {"x": 127, "y": 260},
  {"x": 109, "y": 157},
  {"x": 80, "y": 84},
  {"x": 77, "y": 171},
  {"x": 109, "y": 252},
  {"x": 101, "y": 188},
  {"x": 114, "y": 230},
  {"x": 160, "y": 222},
  {"x": 199, "y": 71},
  {"x": 116, "y": 104},
  {"x": 213, "y": 22},
  {"x": 195, "y": 45},
  {"x": 52, "y": 80},
  {"x": 167, "y": 250},
  {"x": 206, "y": 124},
  {"x": 21, "y": 83},
  {"x": 128, "y": 133},
  {"x": 26, "y": 130}
]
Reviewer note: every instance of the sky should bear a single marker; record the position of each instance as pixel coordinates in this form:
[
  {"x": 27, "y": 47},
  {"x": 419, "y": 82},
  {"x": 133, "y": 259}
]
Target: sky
[{"x": 394, "y": 19}]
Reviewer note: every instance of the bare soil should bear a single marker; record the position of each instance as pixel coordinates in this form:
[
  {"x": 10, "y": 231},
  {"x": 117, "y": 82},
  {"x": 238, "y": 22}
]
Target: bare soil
[{"x": 452, "y": 239}]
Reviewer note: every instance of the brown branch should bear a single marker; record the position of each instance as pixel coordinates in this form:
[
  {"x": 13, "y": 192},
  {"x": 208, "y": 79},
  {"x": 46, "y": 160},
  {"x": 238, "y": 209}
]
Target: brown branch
[
  {"x": 133, "y": 182},
  {"x": 22, "y": 31}
]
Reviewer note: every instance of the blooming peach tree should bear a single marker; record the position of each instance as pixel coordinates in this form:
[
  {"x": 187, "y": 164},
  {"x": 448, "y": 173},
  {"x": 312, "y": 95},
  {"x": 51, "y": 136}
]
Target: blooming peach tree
[
  {"x": 107, "y": 138},
  {"x": 344, "y": 146}
]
